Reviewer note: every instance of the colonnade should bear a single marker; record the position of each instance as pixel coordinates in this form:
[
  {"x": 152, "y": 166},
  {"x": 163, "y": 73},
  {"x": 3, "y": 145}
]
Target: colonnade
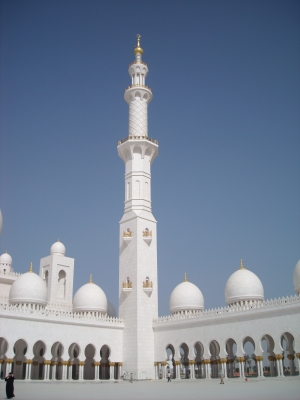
[
  {"x": 209, "y": 369},
  {"x": 50, "y": 369}
]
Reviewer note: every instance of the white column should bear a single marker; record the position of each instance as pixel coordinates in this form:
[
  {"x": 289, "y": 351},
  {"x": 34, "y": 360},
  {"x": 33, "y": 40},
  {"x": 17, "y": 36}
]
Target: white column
[
  {"x": 298, "y": 359},
  {"x": 224, "y": 368},
  {"x": 64, "y": 370},
  {"x": 155, "y": 370},
  {"x": 120, "y": 369},
  {"x": 192, "y": 368},
  {"x": 70, "y": 365},
  {"x": 164, "y": 369},
  {"x": 111, "y": 370},
  {"x": 28, "y": 369},
  {"x": 9, "y": 362},
  {"x": 81, "y": 366},
  {"x": 53, "y": 370},
  {"x": 47, "y": 370},
  {"x": 178, "y": 371}
]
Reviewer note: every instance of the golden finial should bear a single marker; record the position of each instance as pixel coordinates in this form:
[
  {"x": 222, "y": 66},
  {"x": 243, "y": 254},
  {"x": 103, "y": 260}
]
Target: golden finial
[
  {"x": 185, "y": 278},
  {"x": 138, "y": 49},
  {"x": 30, "y": 268},
  {"x": 91, "y": 278},
  {"x": 241, "y": 264},
  {"x": 58, "y": 239}
]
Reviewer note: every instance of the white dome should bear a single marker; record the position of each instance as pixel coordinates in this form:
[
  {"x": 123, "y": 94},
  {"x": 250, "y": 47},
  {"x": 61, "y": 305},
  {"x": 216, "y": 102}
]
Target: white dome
[
  {"x": 58, "y": 248},
  {"x": 90, "y": 297},
  {"x": 296, "y": 277},
  {"x": 243, "y": 285},
  {"x": 28, "y": 288},
  {"x": 186, "y": 296},
  {"x": 5, "y": 259},
  {"x": 111, "y": 311}
]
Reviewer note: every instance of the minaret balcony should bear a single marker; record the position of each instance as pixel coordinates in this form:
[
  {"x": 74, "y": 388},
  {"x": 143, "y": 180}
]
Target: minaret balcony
[
  {"x": 147, "y": 236},
  {"x": 148, "y": 287},
  {"x": 127, "y": 287},
  {"x": 127, "y": 236}
]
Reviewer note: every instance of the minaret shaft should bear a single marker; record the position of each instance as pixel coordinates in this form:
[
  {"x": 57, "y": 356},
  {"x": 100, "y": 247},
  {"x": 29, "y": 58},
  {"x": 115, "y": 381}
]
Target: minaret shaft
[{"x": 138, "y": 297}]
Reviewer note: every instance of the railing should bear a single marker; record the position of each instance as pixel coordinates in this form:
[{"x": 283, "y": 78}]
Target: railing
[
  {"x": 5, "y": 273},
  {"x": 33, "y": 309},
  {"x": 215, "y": 312},
  {"x": 138, "y": 62},
  {"x": 137, "y": 138},
  {"x": 138, "y": 86},
  {"x": 127, "y": 285},
  {"x": 147, "y": 284}
]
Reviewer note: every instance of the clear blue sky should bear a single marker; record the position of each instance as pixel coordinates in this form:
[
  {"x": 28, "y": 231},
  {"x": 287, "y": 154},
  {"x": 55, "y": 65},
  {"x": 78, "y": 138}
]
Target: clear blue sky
[{"x": 225, "y": 110}]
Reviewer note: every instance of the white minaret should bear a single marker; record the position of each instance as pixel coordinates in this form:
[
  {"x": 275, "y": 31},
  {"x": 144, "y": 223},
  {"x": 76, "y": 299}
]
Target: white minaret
[{"x": 138, "y": 302}]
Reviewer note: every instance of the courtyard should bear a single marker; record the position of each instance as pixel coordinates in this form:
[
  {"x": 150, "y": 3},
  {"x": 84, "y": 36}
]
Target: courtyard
[{"x": 233, "y": 389}]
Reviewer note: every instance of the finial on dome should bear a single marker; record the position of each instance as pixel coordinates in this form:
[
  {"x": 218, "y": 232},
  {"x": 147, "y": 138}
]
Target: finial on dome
[
  {"x": 91, "y": 278},
  {"x": 58, "y": 239},
  {"x": 241, "y": 264},
  {"x": 185, "y": 278},
  {"x": 138, "y": 49},
  {"x": 30, "y": 268}
]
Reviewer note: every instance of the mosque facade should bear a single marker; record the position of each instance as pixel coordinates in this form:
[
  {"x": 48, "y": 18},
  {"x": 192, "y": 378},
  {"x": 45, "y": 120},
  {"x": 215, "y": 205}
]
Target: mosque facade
[{"x": 47, "y": 334}]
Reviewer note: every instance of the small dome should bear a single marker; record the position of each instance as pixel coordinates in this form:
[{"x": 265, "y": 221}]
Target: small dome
[
  {"x": 243, "y": 285},
  {"x": 5, "y": 259},
  {"x": 111, "y": 311},
  {"x": 28, "y": 288},
  {"x": 186, "y": 297},
  {"x": 296, "y": 277},
  {"x": 90, "y": 297},
  {"x": 58, "y": 248}
]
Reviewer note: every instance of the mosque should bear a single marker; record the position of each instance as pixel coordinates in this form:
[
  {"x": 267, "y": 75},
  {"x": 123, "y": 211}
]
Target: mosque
[{"x": 48, "y": 334}]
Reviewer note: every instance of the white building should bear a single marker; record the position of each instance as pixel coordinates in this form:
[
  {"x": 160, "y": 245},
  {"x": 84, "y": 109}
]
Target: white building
[{"x": 46, "y": 333}]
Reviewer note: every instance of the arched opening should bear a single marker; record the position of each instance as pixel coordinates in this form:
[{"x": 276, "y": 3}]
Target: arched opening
[
  {"x": 61, "y": 287},
  {"x": 170, "y": 352},
  {"x": 199, "y": 367},
  {"x": 74, "y": 352},
  {"x": 89, "y": 368},
  {"x": 232, "y": 369},
  {"x": 46, "y": 276},
  {"x": 37, "y": 370},
  {"x": 56, "y": 360},
  {"x": 288, "y": 361},
  {"x": 250, "y": 367},
  {"x": 184, "y": 361},
  {"x": 214, "y": 349},
  {"x": 269, "y": 361},
  {"x": 19, "y": 364},
  {"x": 104, "y": 362}
]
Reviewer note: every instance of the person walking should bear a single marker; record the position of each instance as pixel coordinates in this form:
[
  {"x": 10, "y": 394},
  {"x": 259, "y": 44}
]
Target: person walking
[
  {"x": 222, "y": 377},
  {"x": 169, "y": 376},
  {"x": 10, "y": 386}
]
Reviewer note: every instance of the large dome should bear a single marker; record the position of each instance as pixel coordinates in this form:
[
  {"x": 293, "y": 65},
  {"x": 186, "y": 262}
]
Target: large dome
[
  {"x": 28, "y": 288},
  {"x": 90, "y": 297},
  {"x": 296, "y": 277},
  {"x": 186, "y": 297},
  {"x": 243, "y": 285}
]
